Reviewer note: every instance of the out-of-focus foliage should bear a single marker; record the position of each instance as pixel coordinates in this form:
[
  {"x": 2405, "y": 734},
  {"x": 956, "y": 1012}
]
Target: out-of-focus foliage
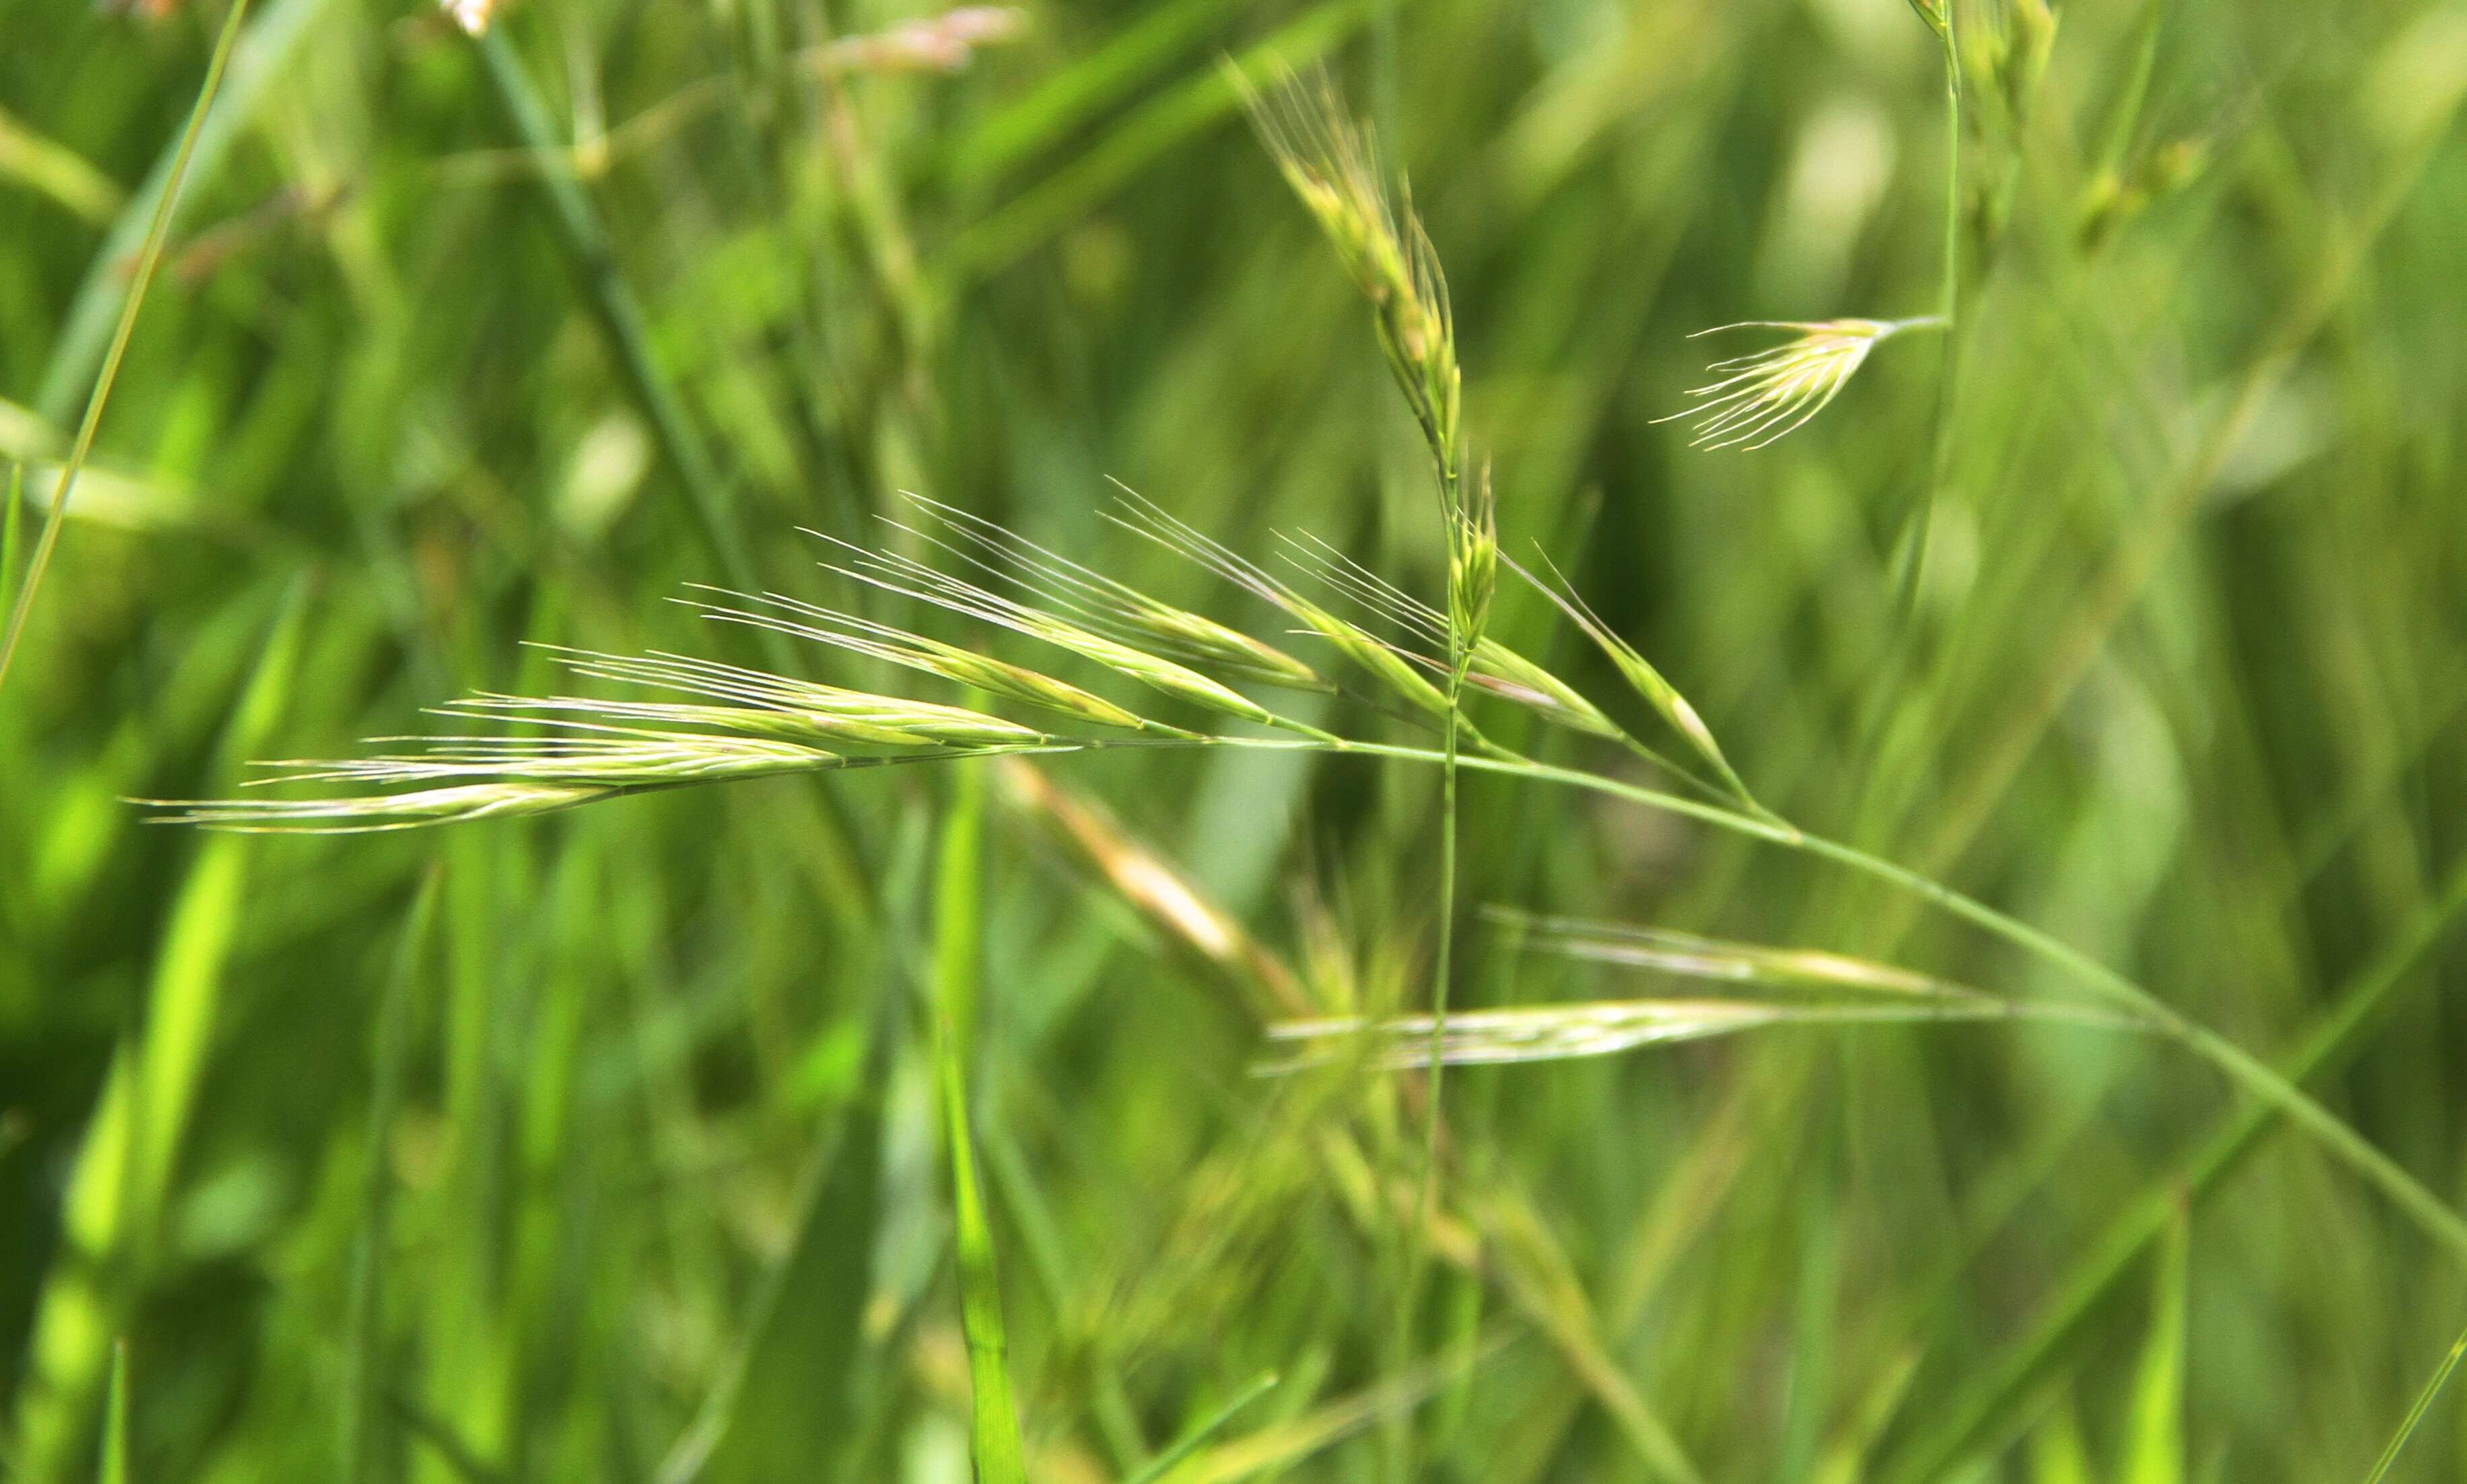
[{"x": 610, "y": 1145}]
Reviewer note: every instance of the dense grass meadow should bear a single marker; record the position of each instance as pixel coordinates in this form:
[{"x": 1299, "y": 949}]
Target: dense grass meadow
[{"x": 1139, "y": 947}]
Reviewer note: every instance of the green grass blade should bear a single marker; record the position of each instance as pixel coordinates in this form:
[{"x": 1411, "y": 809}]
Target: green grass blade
[
  {"x": 158, "y": 230},
  {"x": 2156, "y": 1453},
  {"x": 2057, "y": 1453},
  {"x": 115, "y": 1421},
  {"x": 255, "y": 62},
  {"x": 1079, "y": 92},
  {"x": 2415, "y": 1414},
  {"x": 13, "y": 530},
  {"x": 1986, "y": 1409},
  {"x": 594, "y": 258},
  {"x": 58, "y": 171},
  {"x": 366, "y": 1419},
  {"x": 1139, "y": 141},
  {"x": 957, "y": 963},
  {"x": 1197, "y": 1438},
  {"x": 800, "y": 1358}
]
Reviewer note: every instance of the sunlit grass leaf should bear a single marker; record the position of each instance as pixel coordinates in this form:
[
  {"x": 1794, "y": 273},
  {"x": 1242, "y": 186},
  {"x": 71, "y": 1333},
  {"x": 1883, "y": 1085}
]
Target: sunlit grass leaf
[
  {"x": 2156, "y": 1449},
  {"x": 2057, "y": 1453}
]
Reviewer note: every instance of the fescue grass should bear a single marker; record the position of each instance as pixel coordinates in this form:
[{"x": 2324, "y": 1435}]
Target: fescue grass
[{"x": 843, "y": 1059}]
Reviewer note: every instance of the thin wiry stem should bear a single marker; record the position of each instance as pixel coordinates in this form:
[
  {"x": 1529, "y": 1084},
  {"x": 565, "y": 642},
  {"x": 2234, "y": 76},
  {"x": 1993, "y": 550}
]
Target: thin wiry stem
[
  {"x": 1922, "y": 516},
  {"x": 567, "y": 784},
  {"x": 2414, "y": 1418},
  {"x": 148, "y": 258}
]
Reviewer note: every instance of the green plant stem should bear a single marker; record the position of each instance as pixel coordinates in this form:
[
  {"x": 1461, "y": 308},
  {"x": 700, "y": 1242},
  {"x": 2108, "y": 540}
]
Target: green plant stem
[
  {"x": 2238, "y": 1066},
  {"x": 586, "y": 241},
  {"x": 1197, "y": 1438},
  {"x": 12, "y": 522},
  {"x": 114, "y": 1466},
  {"x": 1922, "y": 516},
  {"x": 1426, "y": 1200},
  {"x": 148, "y": 259},
  {"x": 958, "y": 958},
  {"x": 2415, "y": 1414},
  {"x": 1963, "y": 1424}
]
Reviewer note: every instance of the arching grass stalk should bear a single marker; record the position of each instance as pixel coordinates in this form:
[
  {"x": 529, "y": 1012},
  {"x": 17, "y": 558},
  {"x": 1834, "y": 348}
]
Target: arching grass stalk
[
  {"x": 740, "y": 723},
  {"x": 148, "y": 259},
  {"x": 517, "y": 777}
]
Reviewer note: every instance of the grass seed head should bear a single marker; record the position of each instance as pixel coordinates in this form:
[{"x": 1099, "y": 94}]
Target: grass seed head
[
  {"x": 1537, "y": 1033},
  {"x": 914, "y": 579},
  {"x": 1691, "y": 956},
  {"x": 1144, "y": 517},
  {"x": 1642, "y": 677},
  {"x": 1472, "y": 565},
  {"x": 928, "y": 656},
  {"x": 1497, "y": 669},
  {"x": 1938, "y": 14},
  {"x": 472, "y": 15},
  {"x": 763, "y": 703},
  {"x": 371, "y": 813},
  {"x": 1110, "y": 604},
  {"x": 1758, "y": 399},
  {"x": 1329, "y": 162}
]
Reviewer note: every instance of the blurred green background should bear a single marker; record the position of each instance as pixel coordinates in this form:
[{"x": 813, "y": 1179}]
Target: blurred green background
[{"x": 602, "y": 1147}]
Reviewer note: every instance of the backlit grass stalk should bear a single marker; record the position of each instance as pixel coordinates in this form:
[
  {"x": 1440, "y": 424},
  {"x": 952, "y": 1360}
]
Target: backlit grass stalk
[{"x": 148, "y": 259}]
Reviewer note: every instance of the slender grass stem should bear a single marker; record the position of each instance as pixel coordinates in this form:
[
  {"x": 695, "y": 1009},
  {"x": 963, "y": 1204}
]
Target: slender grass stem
[
  {"x": 2438, "y": 1221},
  {"x": 2414, "y": 1418},
  {"x": 148, "y": 258},
  {"x": 1426, "y": 1201},
  {"x": 1922, "y": 516}
]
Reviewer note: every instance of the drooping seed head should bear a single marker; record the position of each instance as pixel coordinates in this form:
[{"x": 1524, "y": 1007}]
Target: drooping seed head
[
  {"x": 1110, "y": 604},
  {"x": 914, "y": 579},
  {"x": 1497, "y": 669},
  {"x": 371, "y": 813},
  {"x": 1642, "y": 677},
  {"x": 1938, "y": 14},
  {"x": 1756, "y": 401},
  {"x": 1144, "y": 517},
  {"x": 928, "y": 656},
  {"x": 1537, "y": 1033},
  {"x": 801, "y": 710},
  {"x": 1693, "y": 956}
]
